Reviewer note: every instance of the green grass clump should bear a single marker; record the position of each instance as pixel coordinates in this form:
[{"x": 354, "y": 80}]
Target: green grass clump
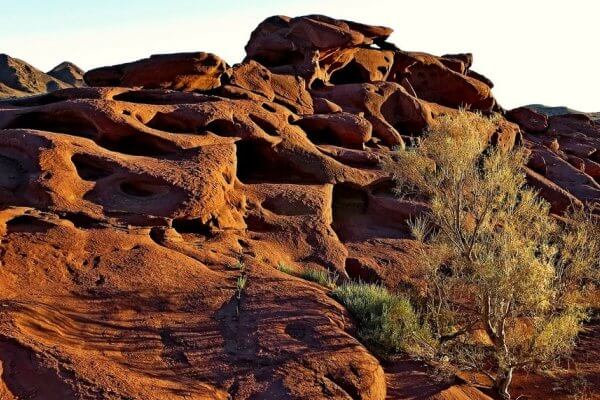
[
  {"x": 286, "y": 269},
  {"x": 239, "y": 266},
  {"x": 385, "y": 320},
  {"x": 241, "y": 284},
  {"x": 322, "y": 277}
]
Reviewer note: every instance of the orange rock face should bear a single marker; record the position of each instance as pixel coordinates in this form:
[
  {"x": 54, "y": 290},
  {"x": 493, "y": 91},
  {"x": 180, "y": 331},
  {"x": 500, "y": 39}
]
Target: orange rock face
[
  {"x": 185, "y": 71},
  {"x": 129, "y": 209}
]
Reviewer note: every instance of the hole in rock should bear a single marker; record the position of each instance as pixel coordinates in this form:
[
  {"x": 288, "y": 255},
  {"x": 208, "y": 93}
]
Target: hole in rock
[
  {"x": 349, "y": 205},
  {"x": 359, "y": 272},
  {"x": 320, "y": 135},
  {"x": 225, "y": 79},
  {"x": 141, "y": 189},
  {"x": 169, "y": 123},
  {"x": 12, "y": 174},
  {"x": 258, "y": 162},
  {"x": 194, "y": 226},
  {"x": 265, "y": 125},
  {"x": 157, "y": 234},
  {"x": 139, "y": 145},
  {"x": 88, "y": 168},
  {"x": 282, "y": 205},
  {"x": 292, "y": 119},
  {"x": 290, "y": 107},
  {"x": 27, "y": 223},
  {"x": 221, "y": 127},
  {"x": 277, "y": 59},
  {"x": 351, "y": 73},
  {"x": 257, "y": 223},
  {"x": 268, "y": 107},
  {"x": 81, "y": 220},
  {"x": 348, "y": 201},
  {"x": 70, "y": 123},
  {"x": 317, "y": 84},
  {"x": 384, "y": 188},
  {"x": 299, "y": 330}
]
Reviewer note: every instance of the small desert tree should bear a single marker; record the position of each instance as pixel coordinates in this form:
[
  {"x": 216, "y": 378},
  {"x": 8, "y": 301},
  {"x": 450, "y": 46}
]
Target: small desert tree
[{"x": 502, "y": 265}]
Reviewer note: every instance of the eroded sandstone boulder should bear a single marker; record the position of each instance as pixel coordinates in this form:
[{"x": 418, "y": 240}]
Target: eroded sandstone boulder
[
  {"x": 183, "y": 71},
  {"x": 567, "y": 155},
  {"x": 435, "y": 80},
  {"x": 528, "y": 119},
  {"x": 315, "y": 47}
]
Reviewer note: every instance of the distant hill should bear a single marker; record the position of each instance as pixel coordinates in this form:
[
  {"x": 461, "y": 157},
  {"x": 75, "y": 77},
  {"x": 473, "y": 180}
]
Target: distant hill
[
  {"x": 561, "y": 110},
  {"x": 18, "y": 78},
  {"x": 69, "y": 73}
]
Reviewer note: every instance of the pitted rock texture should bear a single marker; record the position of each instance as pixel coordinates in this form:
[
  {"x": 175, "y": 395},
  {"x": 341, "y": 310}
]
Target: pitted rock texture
[
  {"x": 127, "y": 207},
  {"x": 185, "y": 71}
]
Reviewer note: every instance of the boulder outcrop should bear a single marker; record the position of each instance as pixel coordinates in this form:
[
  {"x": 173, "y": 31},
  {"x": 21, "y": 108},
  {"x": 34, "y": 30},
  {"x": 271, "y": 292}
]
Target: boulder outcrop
[
  {"x": 130, "y": 209},
  {"x": 183, "y": 71}
]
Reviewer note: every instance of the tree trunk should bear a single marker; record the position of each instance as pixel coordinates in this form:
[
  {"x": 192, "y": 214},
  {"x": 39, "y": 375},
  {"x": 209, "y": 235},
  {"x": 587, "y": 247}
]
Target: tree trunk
[{"x": 502, "y": 382}]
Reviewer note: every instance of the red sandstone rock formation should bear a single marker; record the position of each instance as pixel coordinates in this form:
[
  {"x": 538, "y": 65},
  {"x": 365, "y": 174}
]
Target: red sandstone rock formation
[
  {"x": 127, "y": 205},
  {"x": 185, "y": 71},
  {"x": 565, "y": 156}
]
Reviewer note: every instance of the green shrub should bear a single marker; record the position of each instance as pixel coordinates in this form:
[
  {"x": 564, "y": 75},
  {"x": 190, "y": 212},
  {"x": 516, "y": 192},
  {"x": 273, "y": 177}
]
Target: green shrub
[
  {"x": 286, "y": 269},
  {"x": 526, "y": 276},
  {"x": 385, "y": 320},
  {"x": 241, "y": 284},
  {"x": 322, "y": 277}
]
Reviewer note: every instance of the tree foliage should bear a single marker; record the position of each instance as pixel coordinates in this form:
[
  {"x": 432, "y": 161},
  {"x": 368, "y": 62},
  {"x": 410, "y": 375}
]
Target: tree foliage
[{"x": 504, "y": 265}]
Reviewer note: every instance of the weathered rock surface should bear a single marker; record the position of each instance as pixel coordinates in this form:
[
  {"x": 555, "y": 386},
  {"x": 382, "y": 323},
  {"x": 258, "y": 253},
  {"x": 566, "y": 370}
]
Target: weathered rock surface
[
  {"x": 528, "y": 119},
  {"x": 184, "y": 71},
  {"x": 565, "y": 156},
  {"x": 126, "y": 207}
]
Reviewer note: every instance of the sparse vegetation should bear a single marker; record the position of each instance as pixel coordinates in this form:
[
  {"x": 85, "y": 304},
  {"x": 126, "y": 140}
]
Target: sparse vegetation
[
  {"x": 578, "y": 387},
  {"x": 286, "y": 269},
  {"x": 386, "y": 321},
  {"x": 320, "y": 276},
  {"x": 502, "y": 266},
  {"x": 241, "y": 282},
  {"x": 239, "y": 266}
]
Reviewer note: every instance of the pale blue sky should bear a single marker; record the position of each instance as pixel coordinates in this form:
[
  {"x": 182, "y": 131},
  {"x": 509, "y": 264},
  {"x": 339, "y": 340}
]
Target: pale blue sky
[{"x": 542, "y": 51}]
